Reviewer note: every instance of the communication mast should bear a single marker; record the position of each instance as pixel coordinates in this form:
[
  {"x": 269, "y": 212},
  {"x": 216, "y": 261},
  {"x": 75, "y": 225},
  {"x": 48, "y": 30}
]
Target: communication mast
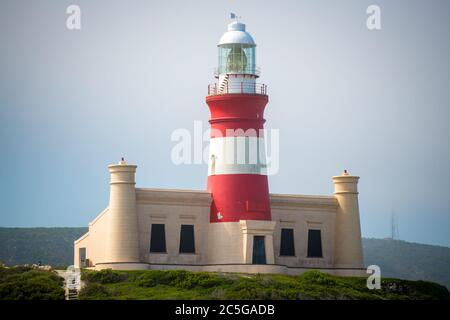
[{"x": 394, "y": 226}]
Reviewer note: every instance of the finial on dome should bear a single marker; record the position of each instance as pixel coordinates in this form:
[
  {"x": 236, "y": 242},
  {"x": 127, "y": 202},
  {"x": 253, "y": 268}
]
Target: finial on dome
[
  {"x": 345, "y": 173},
  {"x": 122, "y": 161}
]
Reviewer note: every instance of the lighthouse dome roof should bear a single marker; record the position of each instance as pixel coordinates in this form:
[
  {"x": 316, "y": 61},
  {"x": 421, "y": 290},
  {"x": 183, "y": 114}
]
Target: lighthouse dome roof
[{"x": 236, "y": 34}]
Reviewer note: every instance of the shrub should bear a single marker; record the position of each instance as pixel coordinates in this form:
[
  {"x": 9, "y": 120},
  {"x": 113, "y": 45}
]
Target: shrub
[
  {"x": 5, "y": 272},
  {"x": 158, "y": 277},
  {"x": 317, "y": 277},
  {"x": 94, "y": 291},
  {"x": 203, "y": 280},
  {"x": 25, "y": 284},
  {"x": 180, "y": 279},
  {"x": 105, "y": 276},
  {"x": 415, "y": 289}
]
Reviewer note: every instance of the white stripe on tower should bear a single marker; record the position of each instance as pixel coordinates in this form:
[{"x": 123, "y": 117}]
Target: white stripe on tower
[{"x": 237, "y": 155}]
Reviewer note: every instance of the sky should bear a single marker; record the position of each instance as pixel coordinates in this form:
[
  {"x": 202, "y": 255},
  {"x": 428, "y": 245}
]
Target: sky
[{"x": 343, "y": 97}]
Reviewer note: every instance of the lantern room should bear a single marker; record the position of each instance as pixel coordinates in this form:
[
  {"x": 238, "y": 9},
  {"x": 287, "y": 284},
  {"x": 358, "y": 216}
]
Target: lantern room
[{"x": 237, "y": 51}]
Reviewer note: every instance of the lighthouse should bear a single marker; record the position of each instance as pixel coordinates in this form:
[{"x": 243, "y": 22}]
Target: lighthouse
[
  {"x": 237, "y": 175},
  {"x": 235, "y": 225}
]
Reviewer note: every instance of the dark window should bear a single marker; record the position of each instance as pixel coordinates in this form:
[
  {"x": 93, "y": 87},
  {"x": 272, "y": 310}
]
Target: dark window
[
  {"x": 82, "y": 253},
  {"x": 158, "y": 238},
  {"x": 259, "y": 250},
  {"x": 187, "y": 242},
  {"x": 314, "y": 244},
  {"x": 287, "y": 247}
]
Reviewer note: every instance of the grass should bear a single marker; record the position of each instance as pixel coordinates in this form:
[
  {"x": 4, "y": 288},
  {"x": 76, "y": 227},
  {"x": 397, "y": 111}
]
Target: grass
[{"x": 180, "y": 284}]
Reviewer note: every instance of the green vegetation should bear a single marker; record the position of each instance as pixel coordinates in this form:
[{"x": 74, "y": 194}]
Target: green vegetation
[
  {"x": 180, "y": 284},
  {"x": 25, "y": 283}
]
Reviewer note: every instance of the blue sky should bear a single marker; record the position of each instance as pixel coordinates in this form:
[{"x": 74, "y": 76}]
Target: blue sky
[{"x": 343, "y": 97}]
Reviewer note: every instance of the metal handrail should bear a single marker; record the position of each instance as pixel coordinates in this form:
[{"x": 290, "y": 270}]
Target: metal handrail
[
  {"x": 237, "y": 88},
  {"x": 253, "y": 71}
]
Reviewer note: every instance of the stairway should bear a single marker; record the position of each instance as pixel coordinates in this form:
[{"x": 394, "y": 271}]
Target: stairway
[
  {"x": 223, "y": 85},
  {"x": 72, "y": 294},
  {"x": 71, "y": 284}
]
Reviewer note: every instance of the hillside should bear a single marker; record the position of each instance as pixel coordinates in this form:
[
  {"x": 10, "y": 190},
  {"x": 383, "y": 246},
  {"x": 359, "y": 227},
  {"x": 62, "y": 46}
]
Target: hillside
[
  {"x": 406, "y": 260},
  {"x": 397, "y": 259},
  {"x": 53, "y": 246}
]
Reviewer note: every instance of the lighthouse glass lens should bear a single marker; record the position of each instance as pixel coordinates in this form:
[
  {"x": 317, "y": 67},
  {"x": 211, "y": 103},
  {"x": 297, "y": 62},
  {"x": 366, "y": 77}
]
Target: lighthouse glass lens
[{"x": 237, "y": 59}]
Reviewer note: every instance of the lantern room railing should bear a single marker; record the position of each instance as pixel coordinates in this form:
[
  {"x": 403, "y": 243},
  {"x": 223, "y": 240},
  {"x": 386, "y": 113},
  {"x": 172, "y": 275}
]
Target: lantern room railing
[{"x": 237, "y": 88}]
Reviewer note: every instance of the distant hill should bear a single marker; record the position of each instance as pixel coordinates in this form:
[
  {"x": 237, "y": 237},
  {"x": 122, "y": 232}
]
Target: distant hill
[
  {"x": 397, "y": 259},
  {"x": 406, "y": 260},
  {"x": 53, "y": 246}
]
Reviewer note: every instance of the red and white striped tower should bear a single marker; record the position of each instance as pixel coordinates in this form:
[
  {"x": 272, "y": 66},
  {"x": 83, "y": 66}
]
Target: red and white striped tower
[{"x": 237, "y": 177}]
